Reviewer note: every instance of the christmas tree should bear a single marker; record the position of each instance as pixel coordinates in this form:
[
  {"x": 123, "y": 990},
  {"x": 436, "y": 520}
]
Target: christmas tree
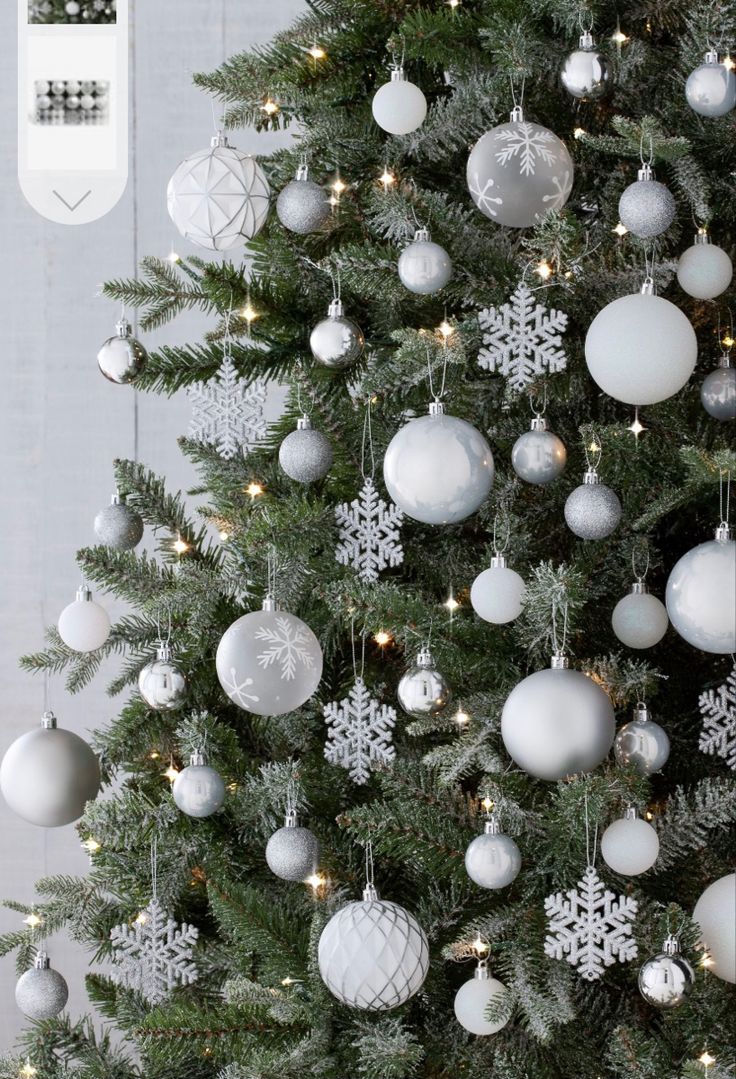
[{"x": 387, "y": 701}]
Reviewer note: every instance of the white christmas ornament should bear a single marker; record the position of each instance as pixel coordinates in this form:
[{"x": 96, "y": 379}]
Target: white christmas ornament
[
  {"x": 162, "y": 683},
  {"x": 84, "y": 625},
  {"x": 227, "y": 411},
  {"x": 473, "y": 998},
  {"x": 337, "y": 341},
  {"x": 219, "y": 197},
  {"x": 423, "y": 691},
  {"x": 642, "y": 744},
  {"x": 424, "y": 266},
  {"x": 718, "y": 709},
  {"x": 711, "y": 88},
  {"x": 646, "y": 208},
  {"x": 700, "y": 592},
  {"x": 399, "y": 106},
  {"x": 639, "y": 619},
  {"x": 41, "y": 992},
  {"x": 714, "y": 913},
  {"x": 360, "y": 733},
  {"x": 154, "y": 954},
  {"x": 368, "y": 533},
  {"x": 704, "y": 270},
  {"x": 521, "y": 339},
  {"x": 539, "y": 456},
  {"x": 198, "y": 790},
  {"x": 497, "y": 594},
  {"x": 630, "y": 845},
  {"x": 492, "y": 859},
  {"x": 292, "y": 852}
]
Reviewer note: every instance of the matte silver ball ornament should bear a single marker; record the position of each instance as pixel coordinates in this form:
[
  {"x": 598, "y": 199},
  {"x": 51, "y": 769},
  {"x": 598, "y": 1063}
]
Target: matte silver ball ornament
[
  {"x": 161, "y": 682},
  {"x": 122, "y": 358},
  {"x": 539, "y": 456},
  {"x": 492, "y": 859},
  {"x": 710, "y": 89},
  {"x": 198, "y": 790},
  {"x": 586, "y": 73},
  {"x": 303, "y": 206},
  {"x": 41, "y": 992},
  {"x": 667, "y": 979},
  {"x": 424, "y": 266},
  {"x": 118, "y": 526},
  {"x": 647, "y": 208},
  {"x": 639, "y": 619},
  {"x": 337, "y": 341},
  {"x": 292, "y": 852},
  {"x": 705, "y": 269},
  {"x": 305, "y": 455},
  {"x": 718, "y": 391},
  {"x": 592, "y": 510},
  {"x": 642, "y": 744},
  {"x": 423, "y": 690},
  {"x": 700, "y": 591}
]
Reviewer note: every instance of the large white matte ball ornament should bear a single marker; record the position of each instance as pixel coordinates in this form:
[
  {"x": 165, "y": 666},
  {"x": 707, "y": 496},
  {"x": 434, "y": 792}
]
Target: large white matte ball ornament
[
  {"x": 539, "y": 456},
  {"x": 718, "y": 392},
  {"x": 711, "y": 88},
  {"x": 122, "y": 358},
  {"x": 198, "y": 790},
  {"x": 492, "y": 859},
  {"x": 118, "y": 526},
  {"x": 700, "y": 595},
  {"x": 639, "y": 619},
  {"x": 642, "y": 744},
  {"x": 423, "y": 690},
  {"x": 557, "y": 722},
  {"x": 667, "y": 979},
  {"x": 41, "y": 993},
  {"x": 518, "y": 171},
  {"x": 704, "y": 270},
  {"x": 305, "y": 455},
  {"x": 472, "y": 1000},
  {"x": 399, "y": 106},
  {"x": 438, "y": 469},
  {"x": 641, "y": 349},
  {"x": 49, "y": 774},
  {"x": 336, "y": 341},
  {"x": 586, "y": 73},
  {"x": 219, "y": 197},
  {"x": 292, "y": 852},
  {"x": 84, "y": 625},
  {"x": 647, "y": 208},
  {"x": 497, "y": 594},
  {"x": 592, "y": 510},
  {"x": 269, "y": 662},
  {"x": 424, "y": 266},
  {"x": 630, "y": 845},
  {"x": 161, "y": 682},
  {"x": 303, "y": 206},
  {"x": 373, "y": 955},
  {"x": 714, "y": 913}
]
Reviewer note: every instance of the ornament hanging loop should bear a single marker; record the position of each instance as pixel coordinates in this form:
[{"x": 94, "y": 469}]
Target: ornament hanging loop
[
  {"x": 367, "y": 442},
  {"x": 639, "y": 554},
  {"x": 437, "y": 396},
  {"x": 559, "y": 646},
  {"x": 593, "y": 452},
  {"x": 538, "y": 410},
  {"x": 724, "y": 503},
  {"x": 498, "y": 549}
]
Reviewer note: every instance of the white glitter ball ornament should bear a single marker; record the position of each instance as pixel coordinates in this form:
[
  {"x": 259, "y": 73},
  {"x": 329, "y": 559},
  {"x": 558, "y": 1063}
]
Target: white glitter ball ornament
[
  {"x": 337, "y": 341},
  {"x": 292, "y": 852},
  {"x": 84, "y": 625},
  {"x": 373, "y": 955},
  {"x": 630, "y": 845},
  {"x": 714, "y": 914},
  {"x": 705, "y": 269},
  {"x": 305, "y": 455},
  {"x": 642, "y": 744},
  {"x": 492, "y": 859},
  {"x": 586, "y": 73},
  {"x": 122, "y": 358},
  {"x": 41, "y": 992},
  {"x": 423, "y": 691},
  {"x": 700, "y": 592},
  {"x": 718, "y": 391},
  {"x": 161, "y": 682},
  {"x": 269, "y": 662},
  {"x": 424, "y": 266},
  {"x": 219, "y": 198},
  {"x": 592, "y": 510},
  {"x": 639, "y": 619},
  {"x": 497, "y": 594},
  {"x": 303, "y": 206},
  {"x": 473, "y": 998},
  {"x": 198, "y": 790},
  {"x": 539, "y": 456},
  {"x": 647, "y": 208},
  {"x": 118, "y": 526},
  {"x": 711, "y": 88},
  {"x": 399, "y": 106},
  {"x": 518, "y": 171}
]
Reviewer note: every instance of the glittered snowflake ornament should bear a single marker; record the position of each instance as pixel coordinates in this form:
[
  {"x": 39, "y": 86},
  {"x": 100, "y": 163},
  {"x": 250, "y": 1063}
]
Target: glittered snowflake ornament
[
  {"x": 154, "y": 954},
  {"x": 360, "y": 732},
  {"x": 521, "y": 339},
  {"x": 369, "y": 539},
  {"x": 227, "y": 411},
  {"x": 718, "y": 709}
]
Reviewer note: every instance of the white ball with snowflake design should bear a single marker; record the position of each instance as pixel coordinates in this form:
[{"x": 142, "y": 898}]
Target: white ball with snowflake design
[{"x": 269, "y": 662}]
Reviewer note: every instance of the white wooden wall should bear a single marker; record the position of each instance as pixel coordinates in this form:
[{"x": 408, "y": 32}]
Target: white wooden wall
[{"x": 61, "y": 422}]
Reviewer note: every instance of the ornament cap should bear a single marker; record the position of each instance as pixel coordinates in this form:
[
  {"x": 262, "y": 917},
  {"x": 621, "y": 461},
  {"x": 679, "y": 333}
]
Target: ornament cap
[
  {"x": 723, "y": 532},
  {"x": 397, "y": 73},
  {"x": 290, "y": 820},
  {"x": 645, "y": 173},
  {"x": 724, "y": 360},
  {"x": 517, "y": 115},
  {"x": 436, "y": 408},
  {"x": 84, "y": 593},
  {"x": 539, "y": 423},
  {"x": 499, "y": 561},
  {"x": 117, "y": 499},
  {"x": 631, "y": 813},
  {"x": 647, "y": 287},
  {"x": 302, "y": 173},
  {"x": 641, "y": 712},
  {"x": 164, "y": 651},
  {"x": 48, "y": 721},
  {"x": 198, "y": 759},
  {"x": 639, "y": 588},
  {"x": 219, "y": 139},
  {"x": 425, "y": 659},
  {"x": 591, "y": 478},
  {"x": 586, "y": 40},
  {"x": 482, "y": 973},
  {"x": 336, "y": 308},
  {"x": 269, "y": 603},
  {"x": 370, "y": 895},
  {"x": 42, "y": 961},
  {"x": 422, "y": 236},
  {"x": 559, "y": 662},
  {"x": 671, "y": 945},
  {"x": 304, "y": 423},
  {"x": 123, "y": 328},
  {"x": 491, "y": 826},
  {"x": 701, "y": 237},
  {"x": 711, "y": 57}
]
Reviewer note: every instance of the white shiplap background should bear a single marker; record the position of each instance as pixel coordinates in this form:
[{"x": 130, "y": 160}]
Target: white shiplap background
[{"x": 61, "y": 423}]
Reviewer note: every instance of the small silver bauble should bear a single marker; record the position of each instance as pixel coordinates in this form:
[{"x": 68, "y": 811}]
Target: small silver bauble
[
  {"x": 639, "y": 619},
  {"x": 71, "y": 7},
  {"x": 161, "y": 682},
  {"x": 305, "y": 455},
  {"x": 121, "y": 359},
  {"x": 292, "y": 852},
  {"x": 337, "y": 341},
  {"x": 303, "y": 206},
  {"x": 647, "y": 208},
  {"x": 198, "y": 790},
  {"x": 399, "y": 106},
  {"x": 473, "y": 998},
  {"x": 642, "y": 744},
  {"x": 424, "y": 266},
  {"x": 705, "y": 269},
  {"x": 592, "y": 510},
  {"x": 586, "y": 73},
  {"x": 718, "y": 392},
  {"x": 41, "y": 993},
  {"x": 666, "y": 980},
  {"x": 492, "y": 859},
  {"x": 539, "y": 456},
  {"x": 700, "y": 592},
  {"x": 118, "y": 526},
  {"x": 423, "y": 690},
  {"x": 711, "y": 88}
]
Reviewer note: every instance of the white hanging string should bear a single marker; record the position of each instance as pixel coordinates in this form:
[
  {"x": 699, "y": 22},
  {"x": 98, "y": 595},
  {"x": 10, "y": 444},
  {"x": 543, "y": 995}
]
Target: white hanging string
[
  {"x": 356, "y": 676},
  {"x": 367, "y": 442},
  {"x": 441, "y": 394},
  {"x": 598, "y": 452},
  {"x": 725, "y": 519},
  {"x": 154, "y": 867},
  {"x": 591, "y": 859},
  {"x": 559, "y": 650},
  {"x": 642, "y": 549},
  {"x": 369, "y": 869}
]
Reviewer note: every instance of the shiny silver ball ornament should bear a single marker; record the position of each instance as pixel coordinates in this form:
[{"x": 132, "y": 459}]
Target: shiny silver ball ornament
[
  {"x": 700, "y": 592},
  {"x": 472, "y": 1000},
  {"x": 498, "y": 593},
  {"x": 303, "y": 206},
  {"x": 592, "y": 510},
  {"x": 305, "y": 455},
  {"x": 424, "y": 266},
  {"x": 518, "y": 171},
  {"x": 666, "y": 980},
  {"x": 118, "y": 526},
  {"x": 121, "y": 359},
  {"x": 437, "y": 468},
  {"x": 639, "y": 619},
  {"x": 161, "y": 683},
  {"x": 83, "y": 624},
  {"x": 292, "y": 852},
  {"x": 718, "y": 392},
  {"x": 41, "y": 992},
  {"x": 647, "y": 208},
  {"x": 711, "y": 88},
  {"x": 337, "y": 341},
  {"x": 423, "y": 690},
  {"x": 586, "y": 73},
  {"x": 557, "y": 722},
  {"x": 492, "y": 859},
  {"x": 49, "y": 774},
  {"x": 705, "y": 269},
  {"x": 642, "y": 744},
  {"x": 630, "y": 846},
  {"x": 399, "y": 106},
  {"x": 539, "y": 456},
  {"x": 198, "y": 790}
]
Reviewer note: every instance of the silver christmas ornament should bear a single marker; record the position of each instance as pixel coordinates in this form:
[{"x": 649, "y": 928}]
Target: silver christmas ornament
[
  {"x": 498, "y": 593},
  {"x": 639, "y": 619},
  {"x": 292, "y": 852},
  {"x": 718, "y": 710},
  {"x": 154, "y": 955},
  {"x": 473, "y": 998},
  {"x": 642, "y": 744},
  {"x": 586, "y": 73},
  {"x": 711, "y": 88},
  {"x": 305, "y": 455},
  {"x": 198, "y": 790},
  {"x": 424, "y": 266},
  {"x": 303, "y": 206},
  {"x": 666, "y": 980},
  {"x": 337, "y": 341},
  {"x": 83, "y": 624},
  {"x": 161, "y": 682},
  {"x": 539, "y": 456},
  {"x": 592, "y": 510},
  {"x": 423, "y": 690},
  {"x": 118, "y": 526},
  {"x": 121, "y": 359},
  {"x": 49, "y": 774},
  {"x": 492, "y": 859},
  {"x": 704, "y": 270},
  {"x": 522, "y": 339},
  {"x": 718, "y": 392},
  {"x": 647, "y": 208},
  {"x": 41, "y": 992},
  {"x": 700, "y": 592},
  {"x": 399, "y": 106}
]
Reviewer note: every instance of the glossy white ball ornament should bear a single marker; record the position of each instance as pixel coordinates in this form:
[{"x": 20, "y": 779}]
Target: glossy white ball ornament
[
  {"x": 710, "y": 89},
  {"x": 492, "y": 859},
  {"x": 718, "y": 391},
  {"x": 592, "y": 510},
  {"x": 84, "y": 625},
  {"x": 586, "y": 73},
  {"x": 630, "y": 845},
  {"x": 642, "y": 744},
  {"x": 305, "y": 455},
  {"x": 639, "y": 619},
  {"x": 399, "y": 106},
  {"x": 497, "y": 594},
  {"x": 438, "y": 469},
  {"x": 641, "y": 349},
  {"x": 161, "y": 682},
  {"x": 49, "y": 774},
  {"x": 118, "y": 526},
  {"x": 292, "y": 852},
  {"x": 714, "y": 913},
  {"x": 704, "y": 270},
  {"x": 424, "y": 266},
  {"x": 539, "y": 456},
  {"x": 198, "y": 790},
  {"x": 337, "y": 341},
  {"x": 473, "y": 998},
  {"x": 667, "y": 979},
  {"x": 122, "y": 358},
  {"x": 303, "y": 206},
  {"x": 557, "y": 722},
  {"x": 647, "y": 208},
  {"x": 423, "y": 690},
  {"x": 41, "y": 992},
  {"x": 700, "y": 592}
]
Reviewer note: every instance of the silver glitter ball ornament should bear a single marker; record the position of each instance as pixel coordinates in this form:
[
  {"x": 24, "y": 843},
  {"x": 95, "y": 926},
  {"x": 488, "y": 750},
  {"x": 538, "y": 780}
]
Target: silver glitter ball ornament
[
  {"x": 700, "y": 591},
  {"x": 292, "y": 852},
  {"x": 424, "y": 266},
  {"x": 198, "y": 790},
  {"x": 539, "y": 456},
  {"x": 492, "y": 859},
  {"x": 718, "y": 392},
  {"x": 647, "y": 208},
  {"x": 711, "y": 88},
  {"x": 639, "y": 619},
  {"x": 666, "y": 980},
  {"x": 303, "y": 206},
  {"x": 423, "y": 690},
  {"x": 592, "y": 510},
  {"x": 161, "y": 683},
  {"x": 642, "y": 744},
  {"x": 121, "y": 359},
  {"x": 305, "y": 455},
  {"x": 337, "y": 341},
  {"x": 586, "y": 73},
  {"x": 41, "y": 993},
  {"x": 118, "y": 526}
]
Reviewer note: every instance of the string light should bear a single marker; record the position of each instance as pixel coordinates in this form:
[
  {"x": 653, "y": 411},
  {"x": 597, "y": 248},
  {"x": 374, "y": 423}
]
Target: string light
[
  {"x": 317, "y": 52},
  {"x": 487, "y": 804},
  {"x": 579, "y": 132},
  {"x": 249, "y": 312},
  {"x": 172, "y": 256},
  {"x": 445, "y": 329},
  {"x": 620, "y": 229},
  {"x": 594, "y": 447},
  {"x": 636, "y": 426},
  {"x": 232, "y": 787},
  {"x": 287, "y": 981},
  {"x": 91, "y": 845},
  {"x": 453, "y": 3},
  {"x": 28, "y": 1071},
  {"x": 728, "y": 341},
  {"x": 315, "y": 882},
  {"x": 33, "y": 920},
  {"x": 154, "y": 755},
  {"x": 706, "y": 960},
  {"x": 479, "y": 946},
  {"x": 382, "y": 637},
  {"x": 543, "y": 270},
  {"x": 386, "y": 178},
  {"x": 269, "y": 107},
  {"x": 171, "y": 772},
  {"x": 728, "y": 63},
  {"x": 619, "y": 37},
  {"x": 706, "y": 1059},
  {"x": 180, "y": 545},
  {"x": 451, "y": 604},
  {"x": 224, "y": 536},
  {"x": 461, "y": 717},
  {"x": 254, "y": 489},
  {"x": 338, "y": 185},
  {"x": 141, "y": 919}
]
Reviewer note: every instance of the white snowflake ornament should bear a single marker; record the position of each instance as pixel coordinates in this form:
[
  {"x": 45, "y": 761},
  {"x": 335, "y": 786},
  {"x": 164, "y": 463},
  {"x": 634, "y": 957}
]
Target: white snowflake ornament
[
  {"x": 590, "y": 927},
  {"x": 227, "y": 411},
  {"x": 369, "y": 539},
  {"x": 521, "y": 339},
  {"x": 718, "y": 709},
  {"x": 360, "y": 732},
  {"x": 154, "y": 954}
]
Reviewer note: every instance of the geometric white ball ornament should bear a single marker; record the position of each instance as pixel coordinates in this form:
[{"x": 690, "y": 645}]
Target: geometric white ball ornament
[
  {"x": 714, "y": 913},
  {"x": 83, "y": 625},
  {"x": 704, "y": 270},
  {"x": 630, "y": 845},
  {"x": 700, "y": 592},
  {"x": 474, "y": 996}
]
